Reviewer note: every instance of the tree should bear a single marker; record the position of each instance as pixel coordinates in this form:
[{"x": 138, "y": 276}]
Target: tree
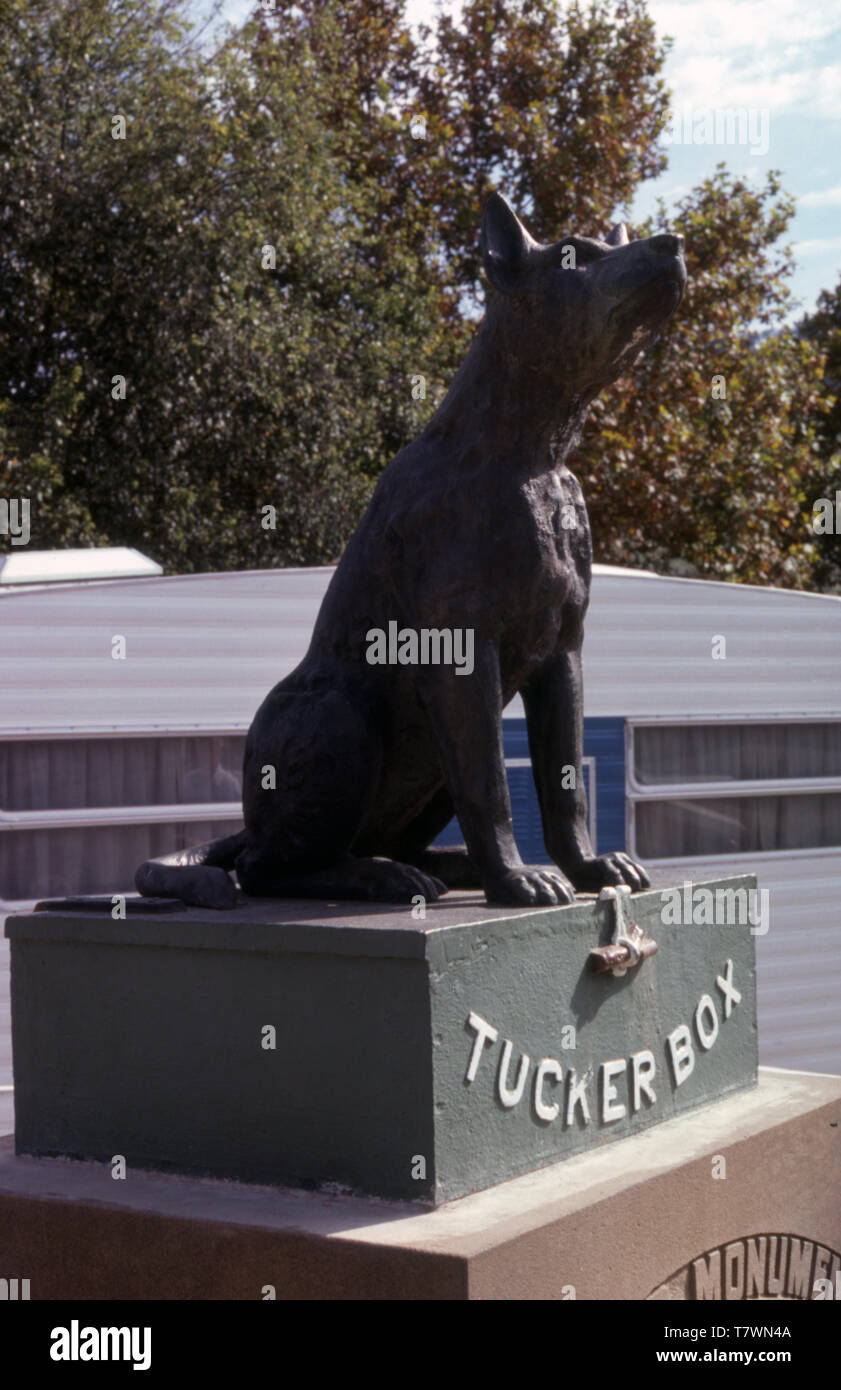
[
  {"x": 327, "y": 344},
  {"x": 101, "y": 220},
  {"x": 202, "y": 318},
  {"x": 558, "y": 106},
  {"x": 822, "y": 329},
  {"x": 216, "y": 331},
  {"x": 701, "y": 464}
]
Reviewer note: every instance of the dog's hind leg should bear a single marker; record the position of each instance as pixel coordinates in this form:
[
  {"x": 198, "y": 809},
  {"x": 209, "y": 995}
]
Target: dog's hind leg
[
  {"x": 311, "y": 779},
  {"x": 450, "y": 864},
  {"x": 348, "y": 879},
  {"x": 198, "y": 876}
]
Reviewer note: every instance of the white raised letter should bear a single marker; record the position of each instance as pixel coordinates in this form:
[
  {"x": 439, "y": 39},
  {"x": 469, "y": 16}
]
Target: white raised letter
[
  {"x": 484, "y": 1033},
  {"x": 548, "y": 1067},
  {"x": 508, "y": 1096},
  {"x": 577, "y": 1095},
  {"x": 681, "y": 1053},
  {"x": 730, "y": 994},
  {"x": 706, "y": 1035},
  {"x": 643, "y": 1068},
  {"x": 612, "y": 1107}
]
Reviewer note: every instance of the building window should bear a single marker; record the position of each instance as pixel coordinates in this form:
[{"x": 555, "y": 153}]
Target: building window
[
  {"x": 79, "y": 815},
  {"x": 704, "y": 790},
  {"x": 667, "y": 754},
  {"x": 41, "y": 774},
  {"x": 63, "y": 862}
]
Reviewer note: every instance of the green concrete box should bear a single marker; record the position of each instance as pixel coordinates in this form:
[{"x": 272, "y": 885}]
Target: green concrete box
[{"x": 354, "y": 1047}]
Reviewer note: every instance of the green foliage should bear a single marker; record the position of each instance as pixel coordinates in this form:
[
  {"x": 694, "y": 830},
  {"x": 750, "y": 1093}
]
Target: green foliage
[
  {"x": 247, "y": 385},
  {"x": 270, "y": 257},
  {"x": 702, "y": 463},
  {"x": 558, "y": 106},
  {"x": 823, "y": 330},
  {"x": 95, "y": 233}
]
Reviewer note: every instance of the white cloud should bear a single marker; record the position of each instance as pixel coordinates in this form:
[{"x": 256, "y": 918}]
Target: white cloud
[
  {"x": 821, "y": 198},
  {"x": 818, "y": 246},
  {"x": 746, "y": 24},
  {"x": 720, "y": 81},
  {"x": 822, "y": 101},
  {"x": 757, "y": 53}
]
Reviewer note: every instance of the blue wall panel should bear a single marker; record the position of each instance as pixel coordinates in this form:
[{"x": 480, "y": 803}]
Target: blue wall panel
[{"x": 604, "y": 740}]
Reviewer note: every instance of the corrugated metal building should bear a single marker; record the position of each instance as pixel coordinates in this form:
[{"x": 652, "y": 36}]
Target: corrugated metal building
[{"x": 712, "y": 743}]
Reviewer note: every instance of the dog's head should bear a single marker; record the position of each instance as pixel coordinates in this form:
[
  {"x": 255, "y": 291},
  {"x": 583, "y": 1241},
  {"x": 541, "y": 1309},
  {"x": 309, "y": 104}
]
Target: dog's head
[{"x": 581, "y": 309}]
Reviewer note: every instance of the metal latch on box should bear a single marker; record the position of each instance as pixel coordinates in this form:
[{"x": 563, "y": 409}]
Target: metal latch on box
[{"x": 629, "y": 944}]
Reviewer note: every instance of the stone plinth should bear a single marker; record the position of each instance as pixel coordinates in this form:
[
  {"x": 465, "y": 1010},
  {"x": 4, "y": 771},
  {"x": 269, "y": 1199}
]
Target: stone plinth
[
  {"x": 737, "y": 1201},
  {"x": 361, "y": 1049}
]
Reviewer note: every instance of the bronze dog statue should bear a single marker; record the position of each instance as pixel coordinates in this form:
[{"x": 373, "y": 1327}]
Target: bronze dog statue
[{"x": 476, "y": 535}]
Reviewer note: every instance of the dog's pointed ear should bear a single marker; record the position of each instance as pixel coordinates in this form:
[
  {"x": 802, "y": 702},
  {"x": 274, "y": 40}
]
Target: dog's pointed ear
[
  {"x": 618, "y": 235},
  {"x": 505, "y": 245}
]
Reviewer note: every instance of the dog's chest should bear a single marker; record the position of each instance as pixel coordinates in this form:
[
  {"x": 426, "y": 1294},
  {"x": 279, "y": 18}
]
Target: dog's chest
[
  {"x": 550, "y": 565},
  {"x": 561, "y": 547}
]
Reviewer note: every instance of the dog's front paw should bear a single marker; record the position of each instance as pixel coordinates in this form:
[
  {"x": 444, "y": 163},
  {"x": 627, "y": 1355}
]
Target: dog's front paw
[
  {"x": 529, "y": 886},
  {"x": 608, "y": 870}
]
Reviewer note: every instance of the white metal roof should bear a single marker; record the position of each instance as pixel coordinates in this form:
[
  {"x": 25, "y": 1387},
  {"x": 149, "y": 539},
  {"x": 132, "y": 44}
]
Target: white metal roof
[
  {"x": 202, "y": 651},
  {"x": 648, "y": 649},
  {"x": 49, "y": 566}
]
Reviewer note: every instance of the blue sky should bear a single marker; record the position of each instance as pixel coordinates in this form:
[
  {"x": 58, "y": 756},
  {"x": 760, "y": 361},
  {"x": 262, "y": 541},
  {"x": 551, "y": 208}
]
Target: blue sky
[
  {"x": 781, "y": 61},
  {"x": 778, "y": 62}
]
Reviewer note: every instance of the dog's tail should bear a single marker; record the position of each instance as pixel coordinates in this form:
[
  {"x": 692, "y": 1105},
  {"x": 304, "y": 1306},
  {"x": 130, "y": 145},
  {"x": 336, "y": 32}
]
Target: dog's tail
[{"x": 199, "y": 876}]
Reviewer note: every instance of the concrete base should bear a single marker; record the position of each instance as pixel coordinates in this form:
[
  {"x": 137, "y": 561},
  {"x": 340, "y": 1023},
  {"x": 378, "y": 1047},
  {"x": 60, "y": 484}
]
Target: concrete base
[
  {"x": 321, "y": 1045},
  {"x": 740, "y": 1201}
]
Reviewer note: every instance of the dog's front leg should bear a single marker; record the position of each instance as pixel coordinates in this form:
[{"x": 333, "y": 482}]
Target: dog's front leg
[
  {"x": 465, "y": 712},
  {"x": 553, "y": 701}
]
